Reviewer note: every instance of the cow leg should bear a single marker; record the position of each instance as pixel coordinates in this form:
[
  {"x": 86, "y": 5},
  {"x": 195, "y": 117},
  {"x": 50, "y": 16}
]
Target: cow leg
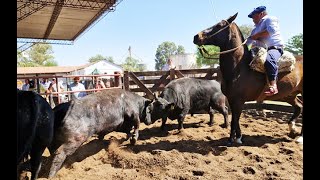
[
  {"x": 220, "y": 105},
  {"x": 163, "y": 125},
  {"x": 181, "y": 118},
  {"x": 36, "y": 160},
  {"x": 135, "y": 135},
  {"x": 211, "y": 115},
  {"x": 63, "y": 151},
  {"x": 224, "y": 110}
]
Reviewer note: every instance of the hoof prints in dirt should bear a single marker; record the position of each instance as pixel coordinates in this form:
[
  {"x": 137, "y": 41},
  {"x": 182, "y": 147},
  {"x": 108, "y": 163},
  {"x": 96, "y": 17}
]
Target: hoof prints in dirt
[{"x": 249, "y": 170}]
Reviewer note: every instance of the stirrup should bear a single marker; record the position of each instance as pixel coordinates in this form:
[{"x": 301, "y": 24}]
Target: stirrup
[{"x": 271, "y": 91}]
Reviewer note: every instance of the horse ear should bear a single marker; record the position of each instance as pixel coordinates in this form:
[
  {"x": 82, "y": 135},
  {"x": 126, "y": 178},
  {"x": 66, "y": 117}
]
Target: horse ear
[{"x": 232, "y": 18}]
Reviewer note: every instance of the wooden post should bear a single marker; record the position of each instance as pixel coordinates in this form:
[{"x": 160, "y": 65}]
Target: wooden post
[
  {"x": 116, "y": 79},
  {"x": 172, "y": 74},
  {"x": 126, "y": 80}
]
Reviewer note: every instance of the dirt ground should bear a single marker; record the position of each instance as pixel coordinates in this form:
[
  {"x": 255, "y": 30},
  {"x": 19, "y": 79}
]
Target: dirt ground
[{"x": 199, "y": 152}]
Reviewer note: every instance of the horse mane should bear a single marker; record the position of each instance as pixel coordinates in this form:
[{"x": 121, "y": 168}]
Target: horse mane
[
  {"x": 239, "y": 31},
  {"x": 247, "y": 57}
]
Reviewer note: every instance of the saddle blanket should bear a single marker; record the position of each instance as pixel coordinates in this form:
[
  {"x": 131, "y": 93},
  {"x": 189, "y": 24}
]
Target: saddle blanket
[{"x": 285, "y": 64}]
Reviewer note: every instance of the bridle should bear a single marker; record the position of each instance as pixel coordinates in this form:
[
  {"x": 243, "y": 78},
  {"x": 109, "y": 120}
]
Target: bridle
[{"x": 203, "y": 50}]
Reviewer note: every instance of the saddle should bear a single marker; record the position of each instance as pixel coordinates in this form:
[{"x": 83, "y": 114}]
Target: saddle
[{"x": 259, "y": 54}]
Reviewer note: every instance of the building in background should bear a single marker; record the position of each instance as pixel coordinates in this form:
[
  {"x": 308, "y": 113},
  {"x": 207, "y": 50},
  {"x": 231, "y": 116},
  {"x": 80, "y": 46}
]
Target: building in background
[{"x": 184, "y": 61}]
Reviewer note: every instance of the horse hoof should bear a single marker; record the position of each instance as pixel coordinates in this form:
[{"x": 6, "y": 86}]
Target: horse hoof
[
  {"x": 238, "y": 140},
  {"x": 293, "y": 134},
  {"x": 299, "y": 140}
]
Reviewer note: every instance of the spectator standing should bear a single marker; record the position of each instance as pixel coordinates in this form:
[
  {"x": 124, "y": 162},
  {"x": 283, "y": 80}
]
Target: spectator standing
[
  {"x": 99, "y": 84},
  {"x": 169, "y": 65},
  {"x": 25, "y": 86},
  {"x": 77, "y": 86},
  {"x": 53, "y": 88}
]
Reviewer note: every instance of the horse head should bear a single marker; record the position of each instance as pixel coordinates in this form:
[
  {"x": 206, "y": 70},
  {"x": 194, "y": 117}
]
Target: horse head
[{"x": 215, "y": 35}]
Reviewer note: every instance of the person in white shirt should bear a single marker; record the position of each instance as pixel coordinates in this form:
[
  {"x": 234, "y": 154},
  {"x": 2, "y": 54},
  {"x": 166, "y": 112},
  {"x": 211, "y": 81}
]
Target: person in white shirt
[
  {"x": 77, "y": 86},
  {"x": 169, "y": 65},
  {"x": 25, "y": 86},
  {"x": 53, "y": 88},
  {"x": 266, "y": 33},
  {"x": 45, "y": 84}
]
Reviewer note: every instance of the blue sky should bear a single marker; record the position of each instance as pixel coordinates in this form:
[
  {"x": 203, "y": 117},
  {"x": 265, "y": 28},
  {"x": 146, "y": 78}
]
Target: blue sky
[{"x": 145, "y": 24}]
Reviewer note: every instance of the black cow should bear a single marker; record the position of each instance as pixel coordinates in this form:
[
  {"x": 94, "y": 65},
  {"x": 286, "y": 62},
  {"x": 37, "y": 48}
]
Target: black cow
[
  {"x": 188, "y": 95},
  {"x": 35, "y": 120},
  {"x": 98, "y": 113}
]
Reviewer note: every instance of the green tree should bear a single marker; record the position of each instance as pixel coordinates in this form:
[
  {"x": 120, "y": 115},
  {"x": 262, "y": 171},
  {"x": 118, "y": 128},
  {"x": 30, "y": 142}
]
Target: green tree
[
  {"x": 110, "y": 59},
  {"x": 295, "y": 44},
  {"x": 164, "y": 51},
  {"x": 38, "y": 55},
  {"x": 131, "y": 64},
  {"x": 203, "y": 61},
  {"x": 41, "y": 55},
  {"x": 99, "y": 57},
  {"x": 23, "y": 61},
  {"x": 96, "y": 58},
  {"x": 246, "y": 30}
]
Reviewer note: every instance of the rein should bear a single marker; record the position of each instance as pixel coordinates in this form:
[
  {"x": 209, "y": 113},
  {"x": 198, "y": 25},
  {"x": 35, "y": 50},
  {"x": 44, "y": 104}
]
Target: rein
[{"x": 203, "y": 50}]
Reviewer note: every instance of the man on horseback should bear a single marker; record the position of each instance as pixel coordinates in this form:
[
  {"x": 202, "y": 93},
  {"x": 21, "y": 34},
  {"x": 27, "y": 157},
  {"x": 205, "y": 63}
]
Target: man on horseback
[{"x": 266, "y": 33}]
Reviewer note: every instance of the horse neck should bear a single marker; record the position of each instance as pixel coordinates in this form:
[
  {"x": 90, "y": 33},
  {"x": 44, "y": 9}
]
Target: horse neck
[{"x": 232, "y": 62}]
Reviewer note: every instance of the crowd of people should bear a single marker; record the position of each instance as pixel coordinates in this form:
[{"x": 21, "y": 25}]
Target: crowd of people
[{"x": 53, "y": 90}]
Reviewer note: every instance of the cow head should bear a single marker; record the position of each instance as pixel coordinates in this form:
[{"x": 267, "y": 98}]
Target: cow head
[{"x": 157, "y": 109}]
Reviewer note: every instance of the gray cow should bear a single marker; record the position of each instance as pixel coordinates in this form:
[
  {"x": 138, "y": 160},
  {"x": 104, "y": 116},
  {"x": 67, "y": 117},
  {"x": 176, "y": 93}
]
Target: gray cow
[
  {"x": 188, "y": 95},
  {"x": 98, "y": 113}
]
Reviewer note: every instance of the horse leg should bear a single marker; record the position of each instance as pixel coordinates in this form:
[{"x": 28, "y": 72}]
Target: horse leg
[
  {"x": 298, "y": 106},
  {"x": 235, "y": 132}
]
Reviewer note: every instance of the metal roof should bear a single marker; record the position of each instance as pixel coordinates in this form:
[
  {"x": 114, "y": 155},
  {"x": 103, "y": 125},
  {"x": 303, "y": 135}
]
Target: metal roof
[
  {"x": 58, "y": 20},
  {"x": 46, "y": 70}
]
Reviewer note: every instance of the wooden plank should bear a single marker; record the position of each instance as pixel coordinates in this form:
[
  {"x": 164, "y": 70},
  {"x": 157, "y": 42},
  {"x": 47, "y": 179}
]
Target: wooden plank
[
  {"x": 179, "y": 74},
  {"x": 148, "y": 81},
  {"x": 197, "y": 71},
  {"x": 142, "y": 86},
  {"x": 141, "y": 90},
  {"x": 163, "y": 80},
  {"x": 126, "y": 80},
  {"x": 150, "y": 73},
  {"x": 172, "y": 74},
  {"x": 208, "y": 75},
  {"x": 269, "y": 106}
]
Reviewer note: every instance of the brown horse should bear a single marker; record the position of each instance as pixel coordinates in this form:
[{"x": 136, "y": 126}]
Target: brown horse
[{"x": 240, "y": 83}]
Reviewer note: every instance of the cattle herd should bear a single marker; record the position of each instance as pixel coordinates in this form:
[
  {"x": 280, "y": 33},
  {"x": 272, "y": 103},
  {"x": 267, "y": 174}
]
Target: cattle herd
[{"x": 66, "y": 127}]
